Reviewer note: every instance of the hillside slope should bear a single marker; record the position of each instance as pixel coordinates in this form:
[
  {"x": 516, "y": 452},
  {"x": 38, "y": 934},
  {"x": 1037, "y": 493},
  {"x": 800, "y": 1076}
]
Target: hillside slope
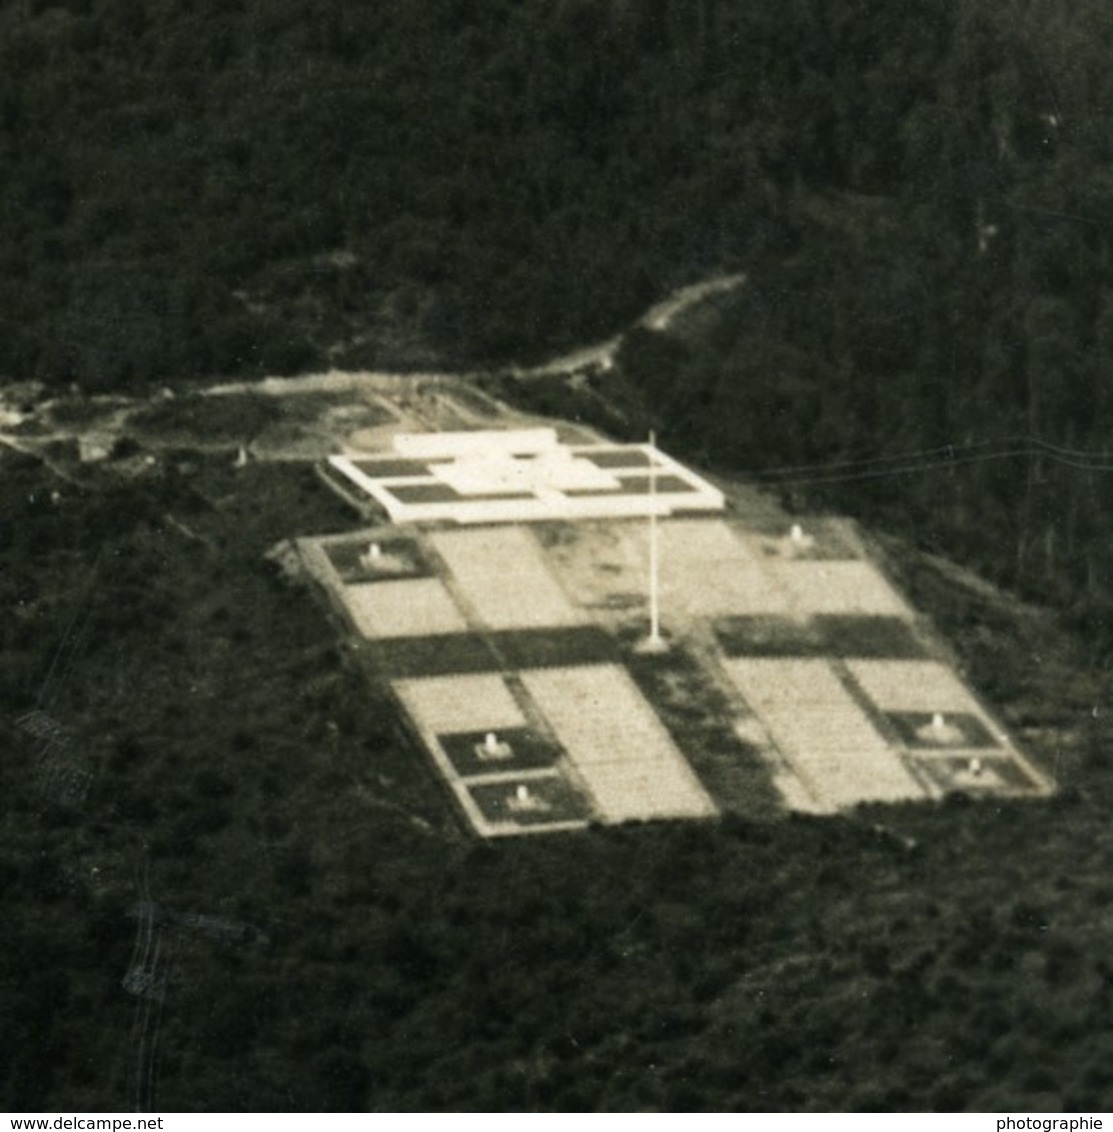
[{"x": 231, "y": 883}]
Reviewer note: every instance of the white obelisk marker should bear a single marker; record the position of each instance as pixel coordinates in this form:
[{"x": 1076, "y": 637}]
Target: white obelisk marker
[{"x": 655, "y": 642}]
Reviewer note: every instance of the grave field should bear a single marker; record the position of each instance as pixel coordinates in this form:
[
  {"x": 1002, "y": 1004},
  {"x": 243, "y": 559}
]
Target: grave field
[
  {"x": 617, "y": 744},
  {"x": 827, "y": 738},
  {"x": 910, "y": 685},
  {"x": 501, "y": 574},
  {"x": 770, "y": 636},
  {"x": 513, "y": 749},
  {"x": 707, "y": 571},
  {"x": 923, "y": 729},
  {"x": 416, "y": 607},
  {"x": 550, "y": 801},
  {"x": 997, "y": 774},
  {"x": 557, "y": 647},
  {"x": 725, "y": 754},
  {"x": 870, "y": 636},
  {"x": 822, "y": 540},
  {"x": 442, "y": 654},
  {"x": 838, "y": 588},
  {"x": 398, "y": 558},
  {"x": 448, "y": 704}
]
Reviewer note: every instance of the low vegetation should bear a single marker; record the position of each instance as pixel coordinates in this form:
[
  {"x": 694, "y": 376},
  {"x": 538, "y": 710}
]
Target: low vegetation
[{"x": 239, "y": 766}]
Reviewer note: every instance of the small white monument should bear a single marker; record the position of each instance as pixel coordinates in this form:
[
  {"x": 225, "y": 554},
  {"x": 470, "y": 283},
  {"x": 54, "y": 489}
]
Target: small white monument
[
  {"x": 654, "y": 643},
  {"x": 523, "y": 800},
  {"x": 798, "y": 541},
  {"x": 940, "y": 732},
  {"x": 493, "y": 749},
  {"x": 372, "y": 557}
]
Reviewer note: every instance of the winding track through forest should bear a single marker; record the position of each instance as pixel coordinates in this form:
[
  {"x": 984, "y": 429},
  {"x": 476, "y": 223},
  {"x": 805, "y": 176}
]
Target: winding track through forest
[{"x": 113, "y": 425}]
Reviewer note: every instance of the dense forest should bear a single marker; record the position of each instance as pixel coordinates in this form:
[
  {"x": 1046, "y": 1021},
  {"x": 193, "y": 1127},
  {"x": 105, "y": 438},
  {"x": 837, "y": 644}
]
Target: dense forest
[
  {"x": 918, "y": 192},
  {"x": 229, "y": 881}
]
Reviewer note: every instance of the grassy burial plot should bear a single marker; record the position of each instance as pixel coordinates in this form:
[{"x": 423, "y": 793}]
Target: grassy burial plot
[
  {"x": 870, "y": 637},
  {"x": 555, "y": 647},
  {"x": 985, "y": 774},
  {"x": 419, "y": 607},
  {"x": 612, "y": 735},
  {"x": 533, "y": 803},
  {"x": 599, "y": 563},
  {"x": 938, "y": 730},
  {"x": 935, "y": 715},
  {"x": 508, "y": 750},
  {"x": 767, "y": 682},
  {"x": 503, "y": 577},
  {"x": 826, "y": 737},
  {"x": 807, "y": 539},
  {"x": 443, "y": 654},
  {"x": 769, "y": 635},
  {"x": 912, "y": 686},
  {"x": 377, "y": 560},
  {"x": 837, "y": 588},
  {"x": 472, "y": 726},
  {"x": 702, "y": 722},
  {"x": 446, "y": 705},
  {"x": 645, "y": 792},
  {"x": 706, "y": 571}
]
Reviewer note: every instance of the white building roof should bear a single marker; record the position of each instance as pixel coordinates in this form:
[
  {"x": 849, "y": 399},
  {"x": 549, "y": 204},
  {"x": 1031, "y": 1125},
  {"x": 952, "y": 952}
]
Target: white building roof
[{"x": 523, "y": 475}]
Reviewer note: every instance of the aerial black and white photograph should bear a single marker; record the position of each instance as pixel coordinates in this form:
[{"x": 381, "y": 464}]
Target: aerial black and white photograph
[{"x": 555, "y": 556}]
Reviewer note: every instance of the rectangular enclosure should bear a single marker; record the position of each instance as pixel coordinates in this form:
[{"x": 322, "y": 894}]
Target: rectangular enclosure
[
  {"x": 832, "y": 745},
  {"x": 617, "y": 744},
  {"x": 502, "y": 576},
  {"x": 411, "y": 608}
]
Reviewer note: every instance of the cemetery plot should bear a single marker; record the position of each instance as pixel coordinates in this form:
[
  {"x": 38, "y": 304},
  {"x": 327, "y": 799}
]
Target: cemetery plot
[
  {"x": 772, "y": 683},
  {"x": 506, "y": 751},
  {"x": 826, "y": 635},
  {"x": 912, "y": 686},
  {"x": 990, "y": 774},
  {"x": 501, "y": 574},
  {"x": 827, "y": 738},
  {"x": 504, "y": 773},
  {"x": 707, "y": 571},
  {"x": 411, "y": 608},
  {"x": 940, "y": 730},
  {"x": 530, "y": 804},
  {"x": 872, "y": 637},
  {"x": 440, "y": 655},
  {"x": 453, "y": 704},
  {"x": 599, "y": 563},
  {"x": 950, "y": 739},
  {"x": 727, "y": 751},
  {"x": 838, "y": 587},
  {"x": 377, "y": 560},
  {"x": 812, "y": 540},
  {"x": 766, "y": 635},
  {"x": 546, "y": 648},
  {"x": 613, "y": 737}
]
